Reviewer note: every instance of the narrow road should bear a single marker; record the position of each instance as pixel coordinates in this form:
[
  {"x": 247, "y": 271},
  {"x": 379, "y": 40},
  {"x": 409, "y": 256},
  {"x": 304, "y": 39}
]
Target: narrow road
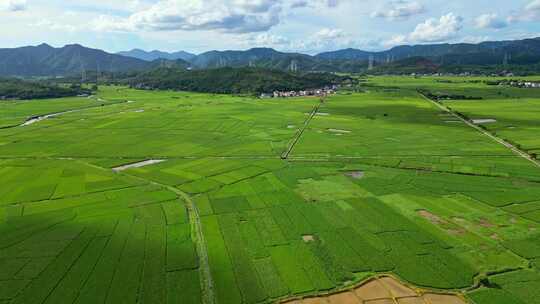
[
  {"x": 292, "y": 144},
  {"x": 501, "y": 141},
  {"x": 207, "y": 283}
]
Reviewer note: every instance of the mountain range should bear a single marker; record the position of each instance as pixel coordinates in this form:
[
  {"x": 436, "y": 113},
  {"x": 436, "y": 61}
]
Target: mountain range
[
  {"x": 494, "y": 52},
  {"x": 155, "y": 55},
  {"x": 44, "y": 60}
]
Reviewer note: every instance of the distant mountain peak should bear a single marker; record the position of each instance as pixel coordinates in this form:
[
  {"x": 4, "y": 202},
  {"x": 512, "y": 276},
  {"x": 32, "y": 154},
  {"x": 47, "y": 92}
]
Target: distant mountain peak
[
  {"x": 157, "y": 54},
  {"x": 44, "y": 45}
]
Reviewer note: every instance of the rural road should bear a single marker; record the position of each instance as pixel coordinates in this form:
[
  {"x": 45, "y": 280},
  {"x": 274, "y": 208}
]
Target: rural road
[
  {"x": 298, "y": 135},
  {"x": 501, "y": 141},
  {"x": 207, "y": 283}
]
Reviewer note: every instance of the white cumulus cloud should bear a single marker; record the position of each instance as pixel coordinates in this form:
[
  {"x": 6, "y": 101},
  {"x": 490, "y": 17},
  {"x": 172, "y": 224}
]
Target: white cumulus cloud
[
  {"x": 430, "y": 31},
  {"x": 266, "y": 40},
  {"x": 436, "y": 30},
  {"x": 490, "y": 21},
  {"x": 13, "y": 5},
  {"x": 531, "y": 12},
  {"x": 231, "y": 16},
  {"x": 323, "y": 40},
  {"x": 399, "y": 9}
]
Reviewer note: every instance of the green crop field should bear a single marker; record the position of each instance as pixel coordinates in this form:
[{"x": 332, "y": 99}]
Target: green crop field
[{"x": 260, "y": 201}]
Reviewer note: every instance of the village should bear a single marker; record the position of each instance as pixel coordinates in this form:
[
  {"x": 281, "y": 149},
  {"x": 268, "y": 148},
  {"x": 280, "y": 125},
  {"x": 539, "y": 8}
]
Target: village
[
  {"x": 329, "y": 90},
  {"x": 522, "y": 84}
]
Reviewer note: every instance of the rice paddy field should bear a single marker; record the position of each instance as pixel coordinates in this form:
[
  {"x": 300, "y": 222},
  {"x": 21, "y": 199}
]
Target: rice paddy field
[{"x": 368, "y": 196}]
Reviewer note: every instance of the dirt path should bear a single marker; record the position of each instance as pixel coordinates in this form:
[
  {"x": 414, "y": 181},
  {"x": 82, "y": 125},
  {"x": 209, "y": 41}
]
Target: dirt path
[
  {"x": 501, "y": 141},
  {"x": 298, "y": 135},
  {"x": 207, "y": 283}
]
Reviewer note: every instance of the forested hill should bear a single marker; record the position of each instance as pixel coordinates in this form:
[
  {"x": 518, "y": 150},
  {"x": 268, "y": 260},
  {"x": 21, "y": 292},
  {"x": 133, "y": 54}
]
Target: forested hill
[
  {"x": 524, "y": 51},
  {"x": 45, "y": 60},
  {"x": 19, "y": 89},
  {"x": 232, "y": 80}
]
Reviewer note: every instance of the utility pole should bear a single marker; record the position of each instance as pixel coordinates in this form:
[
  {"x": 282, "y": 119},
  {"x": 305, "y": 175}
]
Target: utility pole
[
  {"x": 506, "y": 59},
  {"x": 293, "y": 67}
]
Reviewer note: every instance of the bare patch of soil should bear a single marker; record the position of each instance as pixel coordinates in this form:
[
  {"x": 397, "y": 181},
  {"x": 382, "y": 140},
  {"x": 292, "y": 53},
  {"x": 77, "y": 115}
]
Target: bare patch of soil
[
  {"x": 383, "y": 290},
  {"x": 344, "y": 298},
  {"x": 397, "y": 289},
  {"x": 138, "y": 164},
  {"x": 308, "y": 238},
  {"x": 456, "y": 231},
  {"x": 484, "y": 121},
  {"x": 435, "y": 219},
  {"x": 411, "y": 301},
  {"x": 372, "y": 290},
  {"x": 495, "y": 237},
  {"x": 381, "y": 301},
  {"x": 314, "y": 301},
  {"x": 356, "y": 174},
  {"x": 442, "y": 299},
  {"x": 486, "y": 224},
  {"x": 459, "y": 219},
  {"x": 338, "y": 131}
]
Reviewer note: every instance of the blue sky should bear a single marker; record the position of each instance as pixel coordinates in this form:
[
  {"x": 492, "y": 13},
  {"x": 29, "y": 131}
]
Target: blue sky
[{"x": 309, "y": 26}]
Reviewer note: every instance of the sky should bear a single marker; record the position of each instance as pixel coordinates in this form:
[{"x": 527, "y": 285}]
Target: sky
[{"x": 307, "y": 26}]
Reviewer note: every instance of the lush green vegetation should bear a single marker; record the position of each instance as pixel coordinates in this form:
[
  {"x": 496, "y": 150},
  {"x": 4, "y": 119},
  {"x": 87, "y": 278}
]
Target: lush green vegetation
[
  {"x": 426, "y": 65},
  {"x": 379, "y": 181},
  {"x": 18, "y": 89},
  {"x": 232, "y": 80}
]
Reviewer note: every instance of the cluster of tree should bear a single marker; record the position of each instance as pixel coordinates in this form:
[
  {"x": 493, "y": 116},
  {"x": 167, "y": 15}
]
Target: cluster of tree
[
  {"x": 232, "y": 80},
  {"x": 423, "y": 65},
  {"x": 11, "y": 88}
]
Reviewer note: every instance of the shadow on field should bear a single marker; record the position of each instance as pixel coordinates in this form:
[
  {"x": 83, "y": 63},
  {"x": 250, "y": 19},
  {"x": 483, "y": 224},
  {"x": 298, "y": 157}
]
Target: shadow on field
[
  {"x": 390, "y": 113},
  {"x": 416, "y": 115},
  {"x": 47, "y": 256}
]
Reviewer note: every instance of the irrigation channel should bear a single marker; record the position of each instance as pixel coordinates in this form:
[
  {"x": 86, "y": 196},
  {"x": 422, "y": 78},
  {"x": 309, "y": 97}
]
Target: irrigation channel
[
  {"x": 471, "y": 124},
  {"x": 37, "y": 118},
  {"x": 298, "y": 134}
]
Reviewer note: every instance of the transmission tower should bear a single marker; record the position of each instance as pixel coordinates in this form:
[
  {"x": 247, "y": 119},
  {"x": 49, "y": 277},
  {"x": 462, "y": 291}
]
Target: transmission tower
[
  {"x": 293, "y": 67},
  {"x": 371, "y": 60}
]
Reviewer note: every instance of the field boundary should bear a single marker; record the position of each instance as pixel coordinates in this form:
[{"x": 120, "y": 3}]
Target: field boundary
[{"x": 501, "y": 141}]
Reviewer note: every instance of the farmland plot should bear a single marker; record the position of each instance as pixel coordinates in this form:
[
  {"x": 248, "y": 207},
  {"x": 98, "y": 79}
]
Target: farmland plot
[{"x": 380, "y": 183}]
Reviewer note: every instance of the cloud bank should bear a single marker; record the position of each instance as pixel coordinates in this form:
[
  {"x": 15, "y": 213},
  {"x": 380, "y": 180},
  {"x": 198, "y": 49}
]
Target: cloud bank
[
  {"x": 399, "y": 9},
  {"x": 230, "y": 16},
  {"x": 13, "y": 5}
]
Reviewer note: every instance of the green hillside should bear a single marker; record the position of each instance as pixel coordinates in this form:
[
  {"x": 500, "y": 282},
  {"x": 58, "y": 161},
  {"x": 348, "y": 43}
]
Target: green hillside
[
  {"x": 231, "y": 80},
  {"x": 19, "y": 89}
]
